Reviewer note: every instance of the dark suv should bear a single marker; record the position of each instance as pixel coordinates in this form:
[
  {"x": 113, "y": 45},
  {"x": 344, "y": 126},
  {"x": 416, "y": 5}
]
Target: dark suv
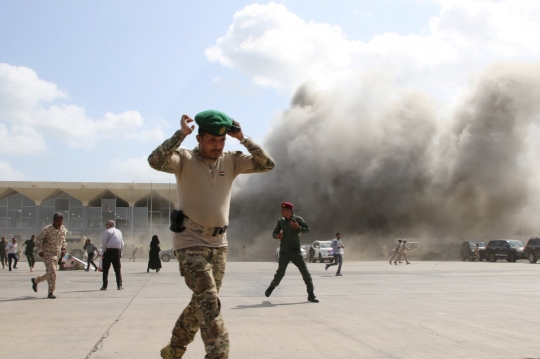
[
  {"x": 509, "y": 249},
  {"x": 467, "y": 251},
  {"x": 532, "y": 250}
]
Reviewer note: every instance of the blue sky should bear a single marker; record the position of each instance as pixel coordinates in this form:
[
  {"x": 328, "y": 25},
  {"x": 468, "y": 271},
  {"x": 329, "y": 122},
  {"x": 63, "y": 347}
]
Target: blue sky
[{"x": 147, "y": 63}]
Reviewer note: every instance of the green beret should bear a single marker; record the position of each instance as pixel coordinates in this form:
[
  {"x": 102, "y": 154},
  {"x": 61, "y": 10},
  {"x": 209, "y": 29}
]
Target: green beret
[{"x": 214, "y": 122}]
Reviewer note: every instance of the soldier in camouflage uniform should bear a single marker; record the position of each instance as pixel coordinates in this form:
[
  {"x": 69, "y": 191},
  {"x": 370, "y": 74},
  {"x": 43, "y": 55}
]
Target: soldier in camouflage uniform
[
  {"x": 3, "y": 253},
  {"x": 204, "y": 178},
  {"x": 50, "y": 242}
]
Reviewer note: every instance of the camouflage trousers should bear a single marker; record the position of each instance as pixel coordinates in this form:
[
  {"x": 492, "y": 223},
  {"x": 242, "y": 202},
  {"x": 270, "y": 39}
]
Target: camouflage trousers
[
  {"x": 3, "y": 258},
  {"x": 203, "y": 269},
  {"x": 50, "y": 274}
]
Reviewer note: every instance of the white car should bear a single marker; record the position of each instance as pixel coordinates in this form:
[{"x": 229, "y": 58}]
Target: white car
[
  {"x": 323, "y": 251},
  {"x": 166, "y": 255},
  {"x": 301, "y": 249}
]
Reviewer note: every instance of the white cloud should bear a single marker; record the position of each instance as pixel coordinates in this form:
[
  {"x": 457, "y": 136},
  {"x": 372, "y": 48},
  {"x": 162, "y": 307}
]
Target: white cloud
[
  {"x": 32, "y": 107},
  {"x": 278, "y": 49},
  {"x": 7, "y": 173},
  {"x": 21, "y": 140},
  {"x": 137, "y": 170}
]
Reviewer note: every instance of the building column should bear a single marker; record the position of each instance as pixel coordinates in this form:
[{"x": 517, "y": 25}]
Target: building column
[
  {"x": 131, "y": 220},
  {"x": 85, "y": 219},
  {"x": 37, "y": 224}
]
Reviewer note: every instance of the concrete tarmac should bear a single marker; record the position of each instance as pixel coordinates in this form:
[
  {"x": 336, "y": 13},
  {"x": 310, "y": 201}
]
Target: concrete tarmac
[{"x": 375, "y": 310}]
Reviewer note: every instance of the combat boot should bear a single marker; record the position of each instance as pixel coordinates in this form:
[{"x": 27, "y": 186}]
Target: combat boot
[
  {"x": 312, "y": 298},
  {"x": 269, "y": 291},
  {"x": 172, "y": 353}
]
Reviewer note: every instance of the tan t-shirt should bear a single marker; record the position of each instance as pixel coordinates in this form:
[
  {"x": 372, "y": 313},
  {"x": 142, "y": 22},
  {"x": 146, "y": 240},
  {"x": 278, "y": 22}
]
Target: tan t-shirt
[
  {"x": 204, "y": 185},
  {"x": 204, "y": 192}
]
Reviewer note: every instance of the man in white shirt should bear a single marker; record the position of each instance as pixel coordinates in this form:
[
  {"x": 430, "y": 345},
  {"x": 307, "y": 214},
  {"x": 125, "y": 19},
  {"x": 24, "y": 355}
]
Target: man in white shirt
[
  {"x": 11, "y": 249},
  {"x": 113, "y": 246},
  {"x": 337, "y": 249}
]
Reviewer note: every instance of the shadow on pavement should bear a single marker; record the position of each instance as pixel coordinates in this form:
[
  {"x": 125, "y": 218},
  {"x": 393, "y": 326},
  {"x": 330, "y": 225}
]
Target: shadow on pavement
[
  {"x": 265, "y": 304},
  {"x": 19, "y": 299}
]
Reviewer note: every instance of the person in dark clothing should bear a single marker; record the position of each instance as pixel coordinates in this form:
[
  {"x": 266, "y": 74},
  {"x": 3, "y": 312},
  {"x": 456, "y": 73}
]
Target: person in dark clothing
[
  {"x": 61, "y": 265},
  {"x": 153, "y": 256},
  {"x": 29, "y": 252},
  {"x": 311, "y": 254},
  {"x": 288, "y": 230},
  {"x": 91, "y": 251}
]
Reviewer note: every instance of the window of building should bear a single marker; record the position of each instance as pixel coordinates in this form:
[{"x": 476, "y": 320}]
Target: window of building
[
  {"x": 152, "y": 210},
  {"x": 108, "y": 207},
  {"x": 17, "y": 211},
  {"x": 69, "y": 206}
]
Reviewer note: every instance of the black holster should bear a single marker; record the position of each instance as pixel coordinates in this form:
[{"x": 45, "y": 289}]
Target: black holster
[{"x": 177, "y": 221}]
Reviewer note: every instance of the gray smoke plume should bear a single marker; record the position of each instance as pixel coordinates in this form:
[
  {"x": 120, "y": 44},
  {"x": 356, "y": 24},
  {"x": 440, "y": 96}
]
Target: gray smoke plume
[{"x": 377, "y": 160}]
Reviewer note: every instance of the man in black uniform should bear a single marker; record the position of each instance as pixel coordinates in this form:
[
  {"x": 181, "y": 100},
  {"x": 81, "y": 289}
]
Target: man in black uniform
[
  {"x": 288, "y": 229},
  {"x": 29, "y": 252}
]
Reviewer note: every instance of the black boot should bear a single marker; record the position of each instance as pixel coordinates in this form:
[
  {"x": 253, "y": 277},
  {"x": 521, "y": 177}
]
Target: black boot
[
  {"x": 269, "y": 291},
  {"x": 312, "y": 298}
]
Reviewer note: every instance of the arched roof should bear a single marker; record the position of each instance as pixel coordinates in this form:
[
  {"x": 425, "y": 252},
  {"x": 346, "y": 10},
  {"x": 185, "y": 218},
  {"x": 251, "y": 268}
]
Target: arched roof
[{"x": 85, "y": 191}]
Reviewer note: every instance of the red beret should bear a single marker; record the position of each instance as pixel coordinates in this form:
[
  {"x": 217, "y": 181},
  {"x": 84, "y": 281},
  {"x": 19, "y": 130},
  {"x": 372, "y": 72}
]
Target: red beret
[{"x": 288, "y": 205}]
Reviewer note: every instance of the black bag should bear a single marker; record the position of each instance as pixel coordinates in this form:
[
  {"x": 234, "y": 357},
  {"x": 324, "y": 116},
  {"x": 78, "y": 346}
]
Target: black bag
[{"x": 177, "y": 221}]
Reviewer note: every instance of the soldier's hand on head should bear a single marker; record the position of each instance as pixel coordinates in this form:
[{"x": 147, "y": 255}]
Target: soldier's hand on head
[
  {"x": 184, "y": 125},
  {"x": 238, "y": 135}
]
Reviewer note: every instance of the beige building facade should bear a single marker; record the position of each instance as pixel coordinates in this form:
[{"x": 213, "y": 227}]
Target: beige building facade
[{"x": 139, "y": 209}]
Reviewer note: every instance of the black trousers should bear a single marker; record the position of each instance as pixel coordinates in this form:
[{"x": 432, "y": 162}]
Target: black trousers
[
  {"x": 111, "y": 256},
  {"x": 298, "y": 261},
  {"x": 31, "y": 260},
  {"x": 15, "y": 257},
  {"x": 91, "y": 260}
]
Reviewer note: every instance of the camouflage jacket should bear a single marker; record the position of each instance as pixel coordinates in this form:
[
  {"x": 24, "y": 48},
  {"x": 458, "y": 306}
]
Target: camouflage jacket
[
  {"x": 160, "y": 157},
  {"x": 291, "y": 236},
  {"x": 50, "y": 241},
  {"x": 3, "y": 248}
]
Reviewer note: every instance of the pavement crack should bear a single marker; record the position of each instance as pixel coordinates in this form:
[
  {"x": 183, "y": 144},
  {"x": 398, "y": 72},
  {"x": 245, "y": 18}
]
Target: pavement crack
[{"x": 99, "y": 344}]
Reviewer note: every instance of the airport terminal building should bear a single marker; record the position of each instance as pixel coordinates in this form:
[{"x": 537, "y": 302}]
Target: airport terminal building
[{"x": 139, "y": 209}]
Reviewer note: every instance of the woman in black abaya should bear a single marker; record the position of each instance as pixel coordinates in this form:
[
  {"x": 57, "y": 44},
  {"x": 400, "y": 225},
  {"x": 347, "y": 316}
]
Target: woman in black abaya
[{"x": 153, "y": 257}]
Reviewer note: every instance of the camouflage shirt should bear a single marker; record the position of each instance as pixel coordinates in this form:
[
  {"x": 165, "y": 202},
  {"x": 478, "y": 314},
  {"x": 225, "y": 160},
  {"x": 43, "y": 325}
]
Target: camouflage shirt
[
  {"x": 50, "y": 241},
  {"x": 3, "y": 247}
]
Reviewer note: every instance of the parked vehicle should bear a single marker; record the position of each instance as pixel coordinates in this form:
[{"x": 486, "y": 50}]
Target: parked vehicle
[
  {"x": 301, "y": 249},
  {"x": 323, "y": 251},
  {"x": 166, "y": 255},
  {"x": 532, "y": 249},
  {"x": 468, "y": 251},
  {"x": 509, "y": 249}
]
